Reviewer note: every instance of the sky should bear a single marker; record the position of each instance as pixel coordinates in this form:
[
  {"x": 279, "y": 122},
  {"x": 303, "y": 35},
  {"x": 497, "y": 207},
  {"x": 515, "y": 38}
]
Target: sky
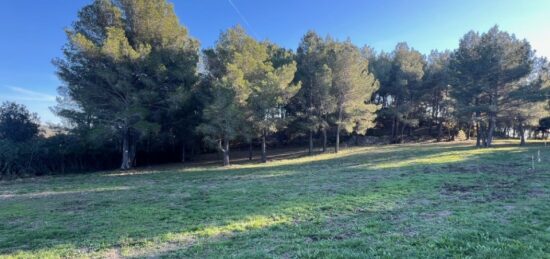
[{"x": 32, "y": 31}]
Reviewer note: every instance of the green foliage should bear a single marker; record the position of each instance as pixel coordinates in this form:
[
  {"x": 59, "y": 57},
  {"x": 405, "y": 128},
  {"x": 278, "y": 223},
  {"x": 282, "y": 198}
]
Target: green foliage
[
  {"x": 231, "y": 65},
  {"x": 124, "y": 63},
  {"x": 251, "y": 83},
  {"x": 131, "y": 82},
  {"x": 489, "y": 68},
  {"x": 314, "y": 103},
  {"x": 352, "y": 86},
  {"x": 59, "y": 154},
  {"x": 17, "y": 123},
  {"x": 400, "y": 74}
]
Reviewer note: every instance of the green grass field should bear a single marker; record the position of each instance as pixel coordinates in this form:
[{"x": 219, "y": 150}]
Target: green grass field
[{"x": 418, "y": 200}]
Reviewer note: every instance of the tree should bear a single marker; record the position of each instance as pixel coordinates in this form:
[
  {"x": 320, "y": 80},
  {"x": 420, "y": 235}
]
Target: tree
[
  {"x": 17, "y": 124},
  {"x": 467, "y": 74},
  {"x": 314, "y": 102},
  {"x": 527, "y": 104},
  {"x": 352, "y": 87},
  {"x": 123, "y": 61},
  {"x": 222, "y": 119},
  {"x": 408, "y": 70},
  {"x": 400, "y": 75},
  {"x": 232, "y": 65},
  {"x": 489, "y": 67},
  {"x": 436, "y": 91},
  {"x": 271, "y": 89}
]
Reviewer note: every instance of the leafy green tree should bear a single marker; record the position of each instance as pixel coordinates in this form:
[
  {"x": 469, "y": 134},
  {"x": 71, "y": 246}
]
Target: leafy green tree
[
  {"x": 352, "y": 87},
  {"x": 408, "y": 70},
  {"x": 488, "y": 68},
  {"x": 251, "y": 84},
  {"x": 271, "y": 89},
  {"x": 122, "y": 63},
  {"x": 527, "y": 104},
  {"x": 314, "y": 101},
  {"x": 436, "y": 91},
  {"x": 467, "y": 74},
  {"x": 400, "y": 75},
  {"x": 222, "y": 119},
  {"x": 233, "y": 66},
  {"x": 17, "y": 124}
]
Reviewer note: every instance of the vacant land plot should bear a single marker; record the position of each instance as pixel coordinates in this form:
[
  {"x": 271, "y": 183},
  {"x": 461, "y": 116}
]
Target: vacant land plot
[{"x": 421, "y": 200}]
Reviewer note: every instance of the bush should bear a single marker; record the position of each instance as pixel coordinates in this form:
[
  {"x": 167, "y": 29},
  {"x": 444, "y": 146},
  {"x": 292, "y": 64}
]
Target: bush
[{"x": 60, "y": 154}]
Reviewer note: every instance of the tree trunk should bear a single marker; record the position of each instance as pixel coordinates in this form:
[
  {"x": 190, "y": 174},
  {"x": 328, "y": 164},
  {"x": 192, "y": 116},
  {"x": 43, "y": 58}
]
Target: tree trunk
[
  {"x": 324, "y": 139},
  {"x": 478, "y": 135},
  {"x": 432, "y": 119},
  {"x": 225, "y": 150},
  {"x": 521, "y": 135},
  {"x": 226, "y": 153},
  {"x": 394, "y": 126},
  {"x": 439, "y": 131},
  {"x": 483, "y": 135},
  {"x": 126, "y": 164},
  {"x": 310, "y": 151},
  {"x": 338, "y": 126},
  {"x": 264, "y": 155},
  {"x": 492, "y": 124}
]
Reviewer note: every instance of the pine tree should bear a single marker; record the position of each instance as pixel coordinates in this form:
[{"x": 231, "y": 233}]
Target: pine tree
[
  {"x": 352, "y": 87},
  {"x": 248, "y": 89},
  {"x": 488, "y": 68},
  {"x": 314, "y": 102},
  {"x": 123, "y": 61},
  {"x": 271, "y": 89}
]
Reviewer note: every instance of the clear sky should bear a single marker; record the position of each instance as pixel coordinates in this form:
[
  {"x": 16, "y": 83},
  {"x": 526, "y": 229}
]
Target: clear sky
[{"x": 32, "y": 30}]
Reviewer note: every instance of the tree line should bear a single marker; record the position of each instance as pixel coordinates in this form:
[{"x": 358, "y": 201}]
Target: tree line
[{"x": 137, "y": 87}]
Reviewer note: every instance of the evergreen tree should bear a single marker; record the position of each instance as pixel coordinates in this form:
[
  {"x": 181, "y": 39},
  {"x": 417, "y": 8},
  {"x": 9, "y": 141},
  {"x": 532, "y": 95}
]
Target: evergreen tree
[
  {"x": 238, "y": 67},
  {"x": 314, "y": 101},
  {"x": 436, "y": 91},
  {"x": 123, "y": 61},
  {"x": 352, "y": 87},
  {"x": 400, "y": 76},
  {"x": 489, "y": 67},
  {"x": 271, "y": 89},
  {"x": 527, "y": 104}
]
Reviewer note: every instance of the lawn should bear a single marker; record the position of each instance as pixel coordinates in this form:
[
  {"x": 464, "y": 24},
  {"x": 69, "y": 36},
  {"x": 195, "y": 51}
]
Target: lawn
[{"x": 418, "y": 200}]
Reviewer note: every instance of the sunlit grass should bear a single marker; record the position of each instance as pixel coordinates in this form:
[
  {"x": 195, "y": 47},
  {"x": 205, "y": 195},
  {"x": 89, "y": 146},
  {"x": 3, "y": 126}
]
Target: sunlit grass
[
  {"x": 442, "y": 158},
  {"x": 417, "y": 200}
]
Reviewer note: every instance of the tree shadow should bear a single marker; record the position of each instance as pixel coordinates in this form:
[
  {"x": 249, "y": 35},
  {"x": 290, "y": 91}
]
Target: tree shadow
[{"x": 166, "y": 207}]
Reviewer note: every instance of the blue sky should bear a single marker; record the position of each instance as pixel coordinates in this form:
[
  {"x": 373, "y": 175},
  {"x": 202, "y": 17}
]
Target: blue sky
[{"x": 32, "y": 30}]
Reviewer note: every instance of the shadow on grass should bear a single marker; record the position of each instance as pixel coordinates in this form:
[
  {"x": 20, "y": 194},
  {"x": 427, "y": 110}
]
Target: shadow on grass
[{"x": 165, "y": 211}]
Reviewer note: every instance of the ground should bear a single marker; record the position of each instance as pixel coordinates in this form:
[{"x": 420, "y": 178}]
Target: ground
[{"x": 397, "y": 201}]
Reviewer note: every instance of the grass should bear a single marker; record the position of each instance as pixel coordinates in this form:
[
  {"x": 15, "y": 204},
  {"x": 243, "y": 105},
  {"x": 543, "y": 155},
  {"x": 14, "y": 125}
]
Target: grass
[{"x": 421, "y": 200}]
